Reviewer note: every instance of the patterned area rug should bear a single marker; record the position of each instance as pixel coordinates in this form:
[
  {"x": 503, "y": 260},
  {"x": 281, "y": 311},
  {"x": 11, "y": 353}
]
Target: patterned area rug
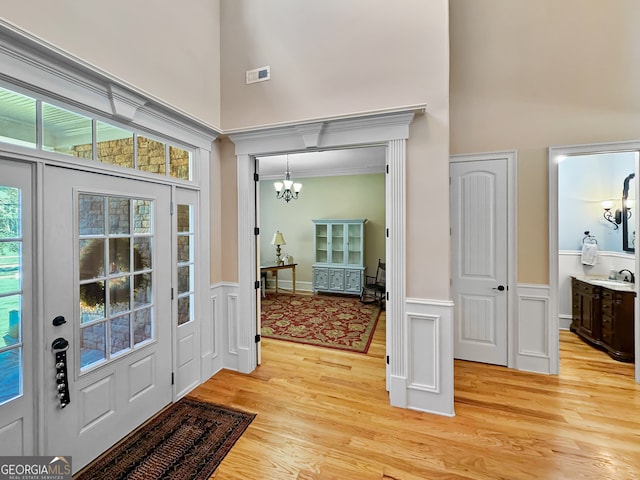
[
  {"x": 322, "y": 320},
  {"x": 186, "y": 441}
]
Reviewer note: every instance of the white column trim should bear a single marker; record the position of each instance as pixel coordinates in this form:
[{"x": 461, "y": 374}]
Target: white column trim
[{"x": 388, "y": 128}]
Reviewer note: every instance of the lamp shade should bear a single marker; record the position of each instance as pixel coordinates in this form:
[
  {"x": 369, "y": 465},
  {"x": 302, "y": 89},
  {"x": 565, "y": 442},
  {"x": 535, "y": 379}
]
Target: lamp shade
[{"x": 278, "y": 239}]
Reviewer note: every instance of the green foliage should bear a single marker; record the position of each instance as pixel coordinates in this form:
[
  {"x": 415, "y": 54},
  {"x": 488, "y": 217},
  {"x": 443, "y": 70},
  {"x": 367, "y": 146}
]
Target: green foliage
[{"x": 9, "y": 219}]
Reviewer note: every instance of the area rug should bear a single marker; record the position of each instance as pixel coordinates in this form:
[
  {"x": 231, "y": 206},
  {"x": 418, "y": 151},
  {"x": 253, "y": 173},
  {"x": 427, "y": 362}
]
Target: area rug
[
  {"x": 328, "y": 321},
  {"x": 188, "y": 440}
]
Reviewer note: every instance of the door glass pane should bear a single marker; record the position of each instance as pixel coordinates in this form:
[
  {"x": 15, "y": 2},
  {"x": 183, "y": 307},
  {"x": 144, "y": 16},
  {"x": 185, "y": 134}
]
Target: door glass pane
[
  {"x": 91, "y": 258},
  {"x": 92, "y": 300},
  {"x": 142, "y": 216},
  {"x": 116, "y": 303},
  {"x": 151, "y": 156},
  {"x": 142, "y": 253},
  {"x": 142, "y": 290},
  {"x": 114, "y": 145},
  {"x": 91, "y": 214},
  {"x": 120, "y": 334},
  {"x": 92, "y": 344},
  {"x": 11, "y": 374},
  {"x": 321, "y": 244},
  {"x": 186, "y": 263},
  {"x": 142, "y": 325},
  {"x": 10, "y": 293},
  {"x": 66, "y": 132},
  {"x": 119, "y": 255},
  {"x": 119, "y": 295},
  {"x": 18, "y": 120},
  {"x": 119, "y": 222}
]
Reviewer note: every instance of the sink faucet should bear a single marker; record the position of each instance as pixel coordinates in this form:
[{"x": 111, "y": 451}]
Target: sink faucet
[{"x": 631, "y": 277}]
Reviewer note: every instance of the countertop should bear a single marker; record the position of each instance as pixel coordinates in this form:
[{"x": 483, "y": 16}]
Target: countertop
[{"x": 603, "y": 281}]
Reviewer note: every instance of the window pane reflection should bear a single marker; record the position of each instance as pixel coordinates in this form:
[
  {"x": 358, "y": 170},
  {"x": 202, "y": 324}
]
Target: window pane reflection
[
  {"x": 91, "y": 213},
  {"x": 114, "y": 145},
  {"x": 141, "y": 253},
  {"x": 66, "y": 132},
  {"x": 185, "y": 309},
  {"x": 119, "y": 255},
  {"x": 11, "y": 376},
  {"x": 93, "y": 347},
  {"x": 151, "y": 156},
  {"x": 142, "y": 290},
  {"x": 141, "y": 325},
  {"x": 10, "y": 326},
  {"x": 179, "y": 163},
  {"x": 119, "y": 295},
  {"x": 18, "y": 119},
  {"x": 142, "y": 216},
  {"x": 10, "y": 213},
  {"x": 92, "y": 299},
  {"x": 119, "y": 223},
  {"x": 91, "y": 258},
  {"x": 120, "y": 334}
]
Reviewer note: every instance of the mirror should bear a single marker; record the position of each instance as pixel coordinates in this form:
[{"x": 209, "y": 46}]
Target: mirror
[{"x": 628, "y": 235}]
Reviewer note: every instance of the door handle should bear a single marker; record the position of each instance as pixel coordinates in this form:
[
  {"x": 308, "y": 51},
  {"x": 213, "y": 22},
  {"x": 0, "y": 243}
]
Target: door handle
[{"x": 500, "y": 288}]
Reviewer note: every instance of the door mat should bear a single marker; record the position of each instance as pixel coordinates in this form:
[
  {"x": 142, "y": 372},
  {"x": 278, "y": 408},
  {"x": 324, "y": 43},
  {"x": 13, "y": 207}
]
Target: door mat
[{"x": 188, "y": 440}]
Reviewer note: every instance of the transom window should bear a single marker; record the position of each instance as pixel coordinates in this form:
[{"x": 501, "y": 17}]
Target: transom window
[
  {"x": 115, "y": 259},
  {"x": 33, "y": 123}
]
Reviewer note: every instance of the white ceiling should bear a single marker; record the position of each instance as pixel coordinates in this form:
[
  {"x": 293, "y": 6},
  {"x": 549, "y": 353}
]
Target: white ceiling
[{"x": 351, "y": 161}]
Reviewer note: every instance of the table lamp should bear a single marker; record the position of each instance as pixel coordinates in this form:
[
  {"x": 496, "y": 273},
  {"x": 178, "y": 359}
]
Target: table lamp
[{"x": 278, "y": 239}]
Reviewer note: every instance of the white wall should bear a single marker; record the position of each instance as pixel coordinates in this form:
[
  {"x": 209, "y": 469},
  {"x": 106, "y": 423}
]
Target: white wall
[{"x": 168, "y": 49}]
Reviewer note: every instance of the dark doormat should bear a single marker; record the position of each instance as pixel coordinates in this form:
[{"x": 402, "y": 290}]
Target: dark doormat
[{"x": 188, "y": 440}]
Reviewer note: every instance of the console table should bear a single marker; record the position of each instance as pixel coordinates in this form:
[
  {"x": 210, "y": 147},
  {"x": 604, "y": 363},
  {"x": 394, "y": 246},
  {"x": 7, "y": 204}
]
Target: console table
[{"x": 274, "y": 269}]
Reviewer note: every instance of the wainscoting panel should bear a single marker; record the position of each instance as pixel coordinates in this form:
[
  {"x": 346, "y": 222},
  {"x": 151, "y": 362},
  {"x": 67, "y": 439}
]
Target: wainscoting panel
[
  {"x": 535, "y": 350},
  {"x": 225, "y": 311},
  {"x": 430, "y": 356}
]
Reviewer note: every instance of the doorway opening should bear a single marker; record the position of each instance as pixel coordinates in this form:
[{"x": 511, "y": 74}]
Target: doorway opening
[
  {"x": 342, "y": 190},
  {"x": 585, "y": 191}
]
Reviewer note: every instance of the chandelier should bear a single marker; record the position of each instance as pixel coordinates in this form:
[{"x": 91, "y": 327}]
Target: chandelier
[{"x": 287, "y": 194}]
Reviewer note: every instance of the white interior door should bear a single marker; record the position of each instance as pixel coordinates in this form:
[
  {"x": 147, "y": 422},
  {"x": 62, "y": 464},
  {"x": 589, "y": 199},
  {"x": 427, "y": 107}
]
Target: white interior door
[
  {"x": 186, "y": 314},
  {"x": 17, "y": 403},
  {"x": 107, "y": 272},
  {"x": 479, "y": 257}
]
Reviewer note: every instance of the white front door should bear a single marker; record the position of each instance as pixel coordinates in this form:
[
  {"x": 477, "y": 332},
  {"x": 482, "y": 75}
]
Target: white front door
[
  {"x": 479, "y": 257},
  {"x": 107, "y": 273},
  {"x": 16, "y": 310}
]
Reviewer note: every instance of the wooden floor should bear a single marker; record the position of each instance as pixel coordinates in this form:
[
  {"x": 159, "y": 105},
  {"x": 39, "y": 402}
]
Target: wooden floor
[{"x": 325, "y": 414}]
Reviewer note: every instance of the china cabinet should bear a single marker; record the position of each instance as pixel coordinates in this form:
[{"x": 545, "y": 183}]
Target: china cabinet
[{"x": 339, "y": 256}]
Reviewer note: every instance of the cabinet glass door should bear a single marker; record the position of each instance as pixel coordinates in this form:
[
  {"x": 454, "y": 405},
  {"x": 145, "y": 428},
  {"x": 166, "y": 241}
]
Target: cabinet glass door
[
  {"x": 354, "y": 245},
  {"x": 321, "y": 243},
  {"x": 337, "y": 243}
]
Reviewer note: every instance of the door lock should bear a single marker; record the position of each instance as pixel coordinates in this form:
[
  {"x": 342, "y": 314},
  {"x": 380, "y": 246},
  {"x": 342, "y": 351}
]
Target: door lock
[
  {"x": 500, "y": 288},
  {"x": 60, "y": 346}
]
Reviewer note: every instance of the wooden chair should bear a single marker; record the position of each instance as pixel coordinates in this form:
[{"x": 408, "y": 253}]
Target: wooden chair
[{"x": 375, "y": 287}]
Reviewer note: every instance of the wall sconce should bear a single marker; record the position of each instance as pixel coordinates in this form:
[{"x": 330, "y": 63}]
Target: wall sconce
[{"x": 616, "y": 218}]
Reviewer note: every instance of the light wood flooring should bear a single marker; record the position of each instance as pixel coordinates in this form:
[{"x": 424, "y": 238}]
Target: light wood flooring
[{"x": 325, "y": 414}]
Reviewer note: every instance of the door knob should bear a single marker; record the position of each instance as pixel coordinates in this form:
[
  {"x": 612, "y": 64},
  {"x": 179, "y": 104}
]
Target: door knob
[
  {"x": 59, "y": 320},
  {"x": 500, "y": 288}
]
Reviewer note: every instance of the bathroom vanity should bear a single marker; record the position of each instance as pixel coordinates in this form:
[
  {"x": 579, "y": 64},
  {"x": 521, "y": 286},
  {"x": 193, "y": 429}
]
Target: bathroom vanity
[{"x": 603, "y": 315}]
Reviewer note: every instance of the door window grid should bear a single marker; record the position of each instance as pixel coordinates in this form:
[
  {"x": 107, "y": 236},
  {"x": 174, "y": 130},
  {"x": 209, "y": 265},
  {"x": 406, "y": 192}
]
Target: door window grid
[
  {"x": 11, "y": 346},
  {"x": 186, "y": 264},
  {"x": 115, "y": 236}
]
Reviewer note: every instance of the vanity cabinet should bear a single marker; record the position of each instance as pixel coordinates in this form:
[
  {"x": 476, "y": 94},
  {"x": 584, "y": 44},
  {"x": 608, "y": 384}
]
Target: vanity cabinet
[
  {"x": 339, "y": 256},
  {"x": 604, "y": 317}
]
